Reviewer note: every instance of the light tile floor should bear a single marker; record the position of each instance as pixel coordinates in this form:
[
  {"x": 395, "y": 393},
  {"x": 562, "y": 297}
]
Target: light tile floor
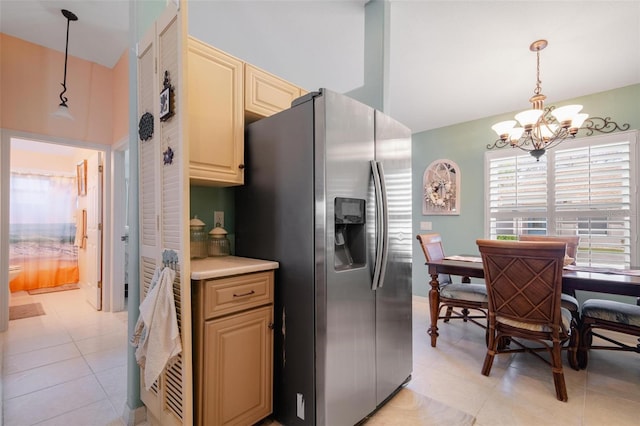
[{"x": 68, "y": 368}]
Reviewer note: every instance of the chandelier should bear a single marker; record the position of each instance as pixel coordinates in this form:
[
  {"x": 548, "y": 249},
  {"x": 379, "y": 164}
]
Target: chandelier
[
  {"x": 541, "y": 128},
  {"x": 63, "y": 109}
]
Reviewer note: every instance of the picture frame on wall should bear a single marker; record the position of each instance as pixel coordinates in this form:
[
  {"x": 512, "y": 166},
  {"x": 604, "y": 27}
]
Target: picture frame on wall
[
  {"x": 165, "y": 104},
  {"x": 81, "y": 176},
  {"x": 441, "y": 186},
  {"x": 166, "y": 99}
]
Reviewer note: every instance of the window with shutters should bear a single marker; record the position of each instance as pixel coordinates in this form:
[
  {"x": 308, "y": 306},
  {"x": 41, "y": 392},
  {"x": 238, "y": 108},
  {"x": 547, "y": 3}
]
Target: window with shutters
[{"x": 585, "y": 187}]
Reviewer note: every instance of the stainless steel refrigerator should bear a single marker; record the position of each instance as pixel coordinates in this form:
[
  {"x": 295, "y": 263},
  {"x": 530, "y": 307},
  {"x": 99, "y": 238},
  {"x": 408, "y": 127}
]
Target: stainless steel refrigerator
[{"x": 327, "y": 194}]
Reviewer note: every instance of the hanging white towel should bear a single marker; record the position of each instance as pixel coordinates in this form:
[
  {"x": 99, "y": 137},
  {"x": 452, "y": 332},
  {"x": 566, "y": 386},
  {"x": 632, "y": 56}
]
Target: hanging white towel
[
  {"x": 157, "y": 335},
  {"x": 139, "y": 338}
]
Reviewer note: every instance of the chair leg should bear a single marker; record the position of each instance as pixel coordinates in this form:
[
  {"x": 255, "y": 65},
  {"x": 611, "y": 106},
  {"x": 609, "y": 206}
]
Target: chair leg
[
  {"x": 465, "y": 314},
  {"x": 585, "y": 342},
  {"x": 558, "y": 374},
  {"x": 573, "y": 349},
  {"x": 488, "y": 362},
  {"x": 447, "y": 315},
  {"x": 491, "y": 351},
  {"x": 503, "y": 343}
]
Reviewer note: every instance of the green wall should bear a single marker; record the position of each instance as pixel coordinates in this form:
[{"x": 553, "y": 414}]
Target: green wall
[
  {"x": 204, "y": 200},
  {"x": 146, "y": 13},
  {"x": 465, "y": 144}
]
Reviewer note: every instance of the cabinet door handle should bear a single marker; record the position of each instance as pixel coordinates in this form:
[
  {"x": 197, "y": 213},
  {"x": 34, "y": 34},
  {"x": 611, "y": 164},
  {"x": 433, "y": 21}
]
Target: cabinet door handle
[
  {"x": 241, "y": 166},
  {"x": 270, "y": 326},
  {"x": 244, "y": 294}
]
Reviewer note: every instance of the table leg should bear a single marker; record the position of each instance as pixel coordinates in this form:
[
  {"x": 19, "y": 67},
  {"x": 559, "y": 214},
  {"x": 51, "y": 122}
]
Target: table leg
[{"x": 434, "y": 303}]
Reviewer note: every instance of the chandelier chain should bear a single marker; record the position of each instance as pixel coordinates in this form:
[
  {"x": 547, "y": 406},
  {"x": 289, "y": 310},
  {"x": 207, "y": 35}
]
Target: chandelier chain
[{"x": 538, "y": 82}]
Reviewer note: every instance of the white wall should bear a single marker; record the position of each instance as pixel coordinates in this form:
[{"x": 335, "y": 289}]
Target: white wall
[
  {"x": 312, "y": 44},
  {"x": 50, "y": 159}
]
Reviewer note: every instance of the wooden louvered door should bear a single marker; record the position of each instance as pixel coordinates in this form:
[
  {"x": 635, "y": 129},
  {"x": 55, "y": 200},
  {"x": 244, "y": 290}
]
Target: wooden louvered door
[{"x": 162, "y": 198}]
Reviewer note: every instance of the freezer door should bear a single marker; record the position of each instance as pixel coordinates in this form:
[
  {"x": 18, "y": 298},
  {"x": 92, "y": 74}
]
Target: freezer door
[
  {"x": 345, "y": 303},
  {"x": 393, "y": 297},
  {"x": 275, "y": 216}
]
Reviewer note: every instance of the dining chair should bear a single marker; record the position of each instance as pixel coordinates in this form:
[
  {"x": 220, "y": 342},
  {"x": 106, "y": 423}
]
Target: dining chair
[
  {"x": 569, "y": 301},
  {"x": 607, "y": 315},
  {"x": 572, "y": 242},
  {"x": 524, "y": 282},
  {"x": 464, "y": 296}
]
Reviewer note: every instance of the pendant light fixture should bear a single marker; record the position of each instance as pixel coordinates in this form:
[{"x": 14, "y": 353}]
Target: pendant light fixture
[
  {"x": 540, "y": 131},
  {"x": 63, "y": 109}
]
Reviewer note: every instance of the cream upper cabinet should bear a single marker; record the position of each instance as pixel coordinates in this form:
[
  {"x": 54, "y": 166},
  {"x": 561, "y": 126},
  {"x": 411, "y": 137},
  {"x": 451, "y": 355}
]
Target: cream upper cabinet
[
  {"x": 215, "y": 119},
  {"x": 265, "y": 94}
]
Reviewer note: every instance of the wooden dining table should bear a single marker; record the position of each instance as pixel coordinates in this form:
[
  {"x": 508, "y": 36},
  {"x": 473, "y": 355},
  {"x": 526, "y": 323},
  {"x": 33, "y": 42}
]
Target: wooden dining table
[{"x": 572, "y": 280}]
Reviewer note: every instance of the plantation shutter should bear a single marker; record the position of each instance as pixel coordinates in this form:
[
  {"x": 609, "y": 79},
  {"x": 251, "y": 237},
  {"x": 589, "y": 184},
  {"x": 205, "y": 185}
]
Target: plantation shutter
[
  {"x": 517, "y": 195},
  {"x": 585, "y": 187},
  {"x": 169, "y": 399},
  {"x": 593, "y": 200}
]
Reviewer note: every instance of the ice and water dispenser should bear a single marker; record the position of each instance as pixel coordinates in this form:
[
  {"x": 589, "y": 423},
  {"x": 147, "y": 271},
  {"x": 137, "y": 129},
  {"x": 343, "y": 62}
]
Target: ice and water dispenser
[{"x": 350, "y": 233}]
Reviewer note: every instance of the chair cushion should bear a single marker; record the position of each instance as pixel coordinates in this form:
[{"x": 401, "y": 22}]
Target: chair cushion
[
  {"x": 469, "y": 292},
  {"x": 609, "y": 310},
  {"x": 566, "y": 322},
  {"x": 569, "y": 302}
]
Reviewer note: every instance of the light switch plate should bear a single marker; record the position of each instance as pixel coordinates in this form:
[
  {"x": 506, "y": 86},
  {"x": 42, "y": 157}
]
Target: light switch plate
[
  {"x": 425, "y": 226},
  {"x": 218, "y": 219}
]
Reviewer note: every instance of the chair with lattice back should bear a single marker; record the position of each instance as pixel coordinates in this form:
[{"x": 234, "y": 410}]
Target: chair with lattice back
[
  {"x": 524, "y": 282},
  {"x": 569, "y": 301},
  {"x": 459, "y": 298}
]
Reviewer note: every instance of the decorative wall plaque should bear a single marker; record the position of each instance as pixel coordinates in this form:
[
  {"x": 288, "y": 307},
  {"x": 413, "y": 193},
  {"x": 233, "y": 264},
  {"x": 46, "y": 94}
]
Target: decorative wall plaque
[
  {"x": 167, "y": 156},
  {"x": 441, "y": 185},
  {"x": 166, "y": 99},
  {"x": 145, "y": 127}
]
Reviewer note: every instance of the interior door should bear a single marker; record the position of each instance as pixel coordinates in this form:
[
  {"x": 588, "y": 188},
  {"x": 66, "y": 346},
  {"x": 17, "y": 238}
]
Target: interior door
[{"x": 93, "y": 264}]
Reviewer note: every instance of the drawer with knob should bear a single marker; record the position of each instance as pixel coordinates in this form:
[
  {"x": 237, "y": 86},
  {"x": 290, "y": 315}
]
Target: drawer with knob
[{"x": 234, "y": 294}]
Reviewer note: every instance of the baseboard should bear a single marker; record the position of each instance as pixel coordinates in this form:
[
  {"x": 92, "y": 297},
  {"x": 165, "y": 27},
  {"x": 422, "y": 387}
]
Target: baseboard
[{"x": 134, "y": 416}]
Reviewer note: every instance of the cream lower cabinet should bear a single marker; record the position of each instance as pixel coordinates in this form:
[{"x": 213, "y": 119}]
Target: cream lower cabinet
[{"x": 234, "y": 345}]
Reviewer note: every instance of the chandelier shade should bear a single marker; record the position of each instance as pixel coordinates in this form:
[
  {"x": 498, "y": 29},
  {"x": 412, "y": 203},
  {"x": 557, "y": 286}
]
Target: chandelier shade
[{"x": 541, "y": 128}]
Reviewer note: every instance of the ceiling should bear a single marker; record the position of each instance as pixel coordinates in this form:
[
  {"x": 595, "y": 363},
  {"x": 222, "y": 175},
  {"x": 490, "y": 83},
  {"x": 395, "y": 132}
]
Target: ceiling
[
  {"x": 99, "y": 35},
  {"x": 450, "y": 61}
]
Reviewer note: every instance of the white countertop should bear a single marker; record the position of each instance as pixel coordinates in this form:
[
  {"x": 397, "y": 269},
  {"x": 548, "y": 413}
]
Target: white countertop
[{"x": 223, "y": 266}]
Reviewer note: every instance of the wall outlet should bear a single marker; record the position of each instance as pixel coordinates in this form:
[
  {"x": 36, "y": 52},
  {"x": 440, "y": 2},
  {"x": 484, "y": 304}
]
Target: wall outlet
[
  {"x": 218, "y": 219},
  {"x": 425, "y": 226}
]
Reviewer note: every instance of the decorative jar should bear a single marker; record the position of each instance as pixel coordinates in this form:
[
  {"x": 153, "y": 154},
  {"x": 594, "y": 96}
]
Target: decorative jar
[
  {"x": 198, "y": 238},
  {"x": 219, "y": 244}
]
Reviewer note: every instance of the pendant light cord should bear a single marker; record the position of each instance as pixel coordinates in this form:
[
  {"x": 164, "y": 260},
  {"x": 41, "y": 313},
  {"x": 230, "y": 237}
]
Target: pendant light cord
[{"x": 70, "y": 16}]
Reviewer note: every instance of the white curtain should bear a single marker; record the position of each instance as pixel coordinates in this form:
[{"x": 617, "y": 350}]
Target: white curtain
[{"x": 42, "y": 230}]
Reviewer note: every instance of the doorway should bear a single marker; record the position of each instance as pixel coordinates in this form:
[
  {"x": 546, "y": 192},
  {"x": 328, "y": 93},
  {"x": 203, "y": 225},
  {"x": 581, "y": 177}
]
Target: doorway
[
  {"x": 120, "y": 229},
  {"x": 112, "y": 301},
  {"x": 55, "y": 230}
]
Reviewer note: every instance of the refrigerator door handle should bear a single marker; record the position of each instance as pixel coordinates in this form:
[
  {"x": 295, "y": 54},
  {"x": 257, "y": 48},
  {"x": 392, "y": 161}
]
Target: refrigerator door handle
[
  {"x": 379, "y": 225},
  {"x": 385, "y": 225},
  {"x": 380, "y": 231}
]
